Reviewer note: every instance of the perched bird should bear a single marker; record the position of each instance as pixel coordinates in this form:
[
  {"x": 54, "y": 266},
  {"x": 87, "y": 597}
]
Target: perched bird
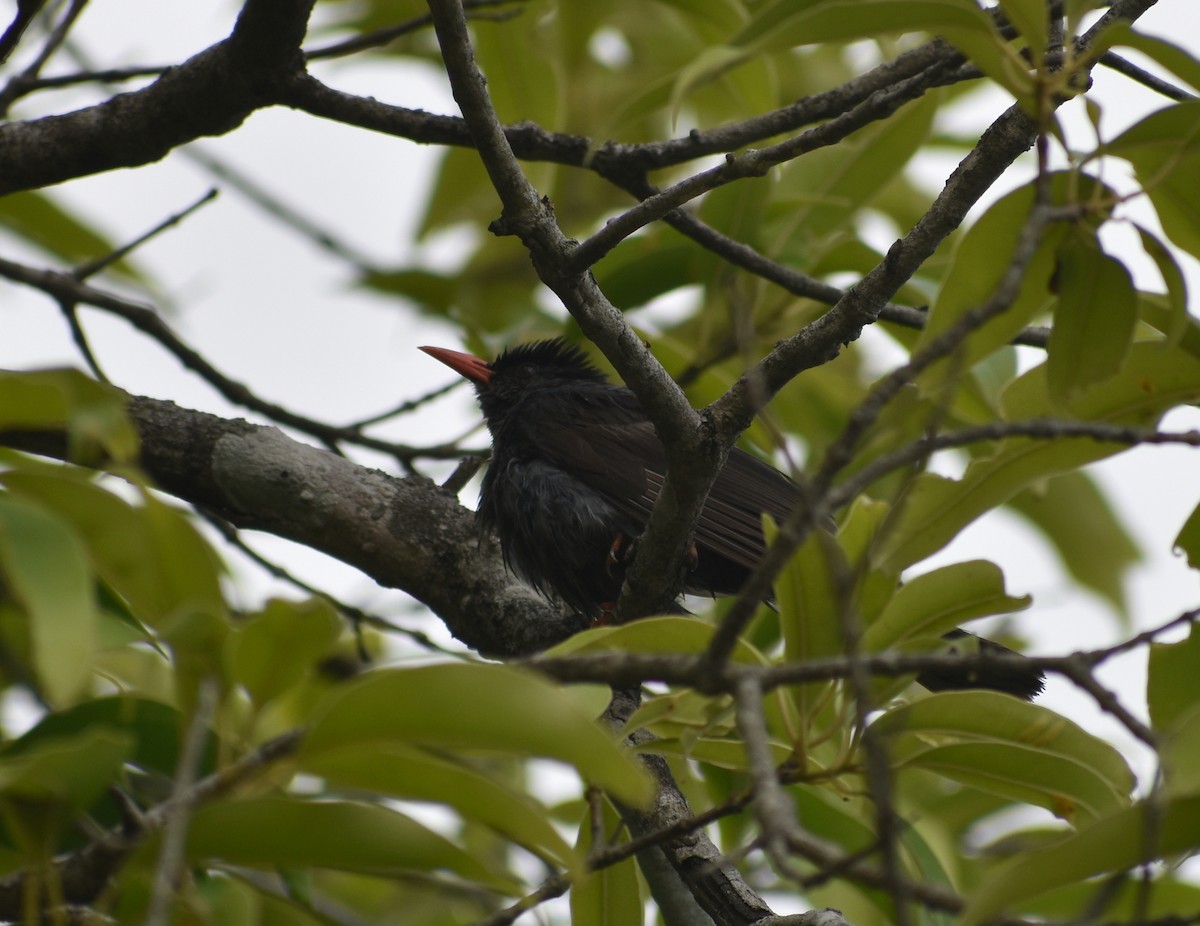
[{"x": 576, "y": 467}]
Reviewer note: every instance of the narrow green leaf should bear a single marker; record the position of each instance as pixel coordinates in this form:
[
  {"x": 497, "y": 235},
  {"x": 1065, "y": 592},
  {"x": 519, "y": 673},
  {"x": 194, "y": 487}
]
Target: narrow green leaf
[
  {"x": 431, "y": 292},
  {"x": 982, "y": 257},
  {"x": 1188, "y": 539},
  {"x": 474, "y": 707},
  {"x": 150, "y": 555},
  {"x": 707, "y": 66},
  {"x": 645, "y": 267},
  {"x": 1176, "y": 59},
  {"x": 817, "y": 196},
  {"x": 667, "y": 634},
  {"x": 152, "y": 729},
  {"x": 279, "y": 832},
  {"x": 413, "y": 774},
  {"x": 1095, "y": 318},
  {"x": 723, "y": 753},
  {"x": 1031, "y": 19},
  {"x": 935, "y": 509},
  {"x": 610, "y": 896},
  {"x": 778, "y": 28},
  {"x": 93, "y": 414},
  {"x": 937, "y": 602},
  {"x": 1164, "y": 149},
  {"x": 1012, "y": 748},
  {"x": 1178, "y": 319},
  {"x": 70, "y": 771},
  {"x": 1173, "y": 682},
  {"x": 37, "y": 218},
  {"x": 770, "y": 27},
  {"x": 273, "y": 650},
  {"x": 1116, "y": 843},
  {"x": 808, "y": 603},
  {"x": 46, "y": 567}
]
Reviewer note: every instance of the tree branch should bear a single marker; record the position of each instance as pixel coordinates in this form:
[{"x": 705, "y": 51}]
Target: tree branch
[{"x": 209, "y": 94}]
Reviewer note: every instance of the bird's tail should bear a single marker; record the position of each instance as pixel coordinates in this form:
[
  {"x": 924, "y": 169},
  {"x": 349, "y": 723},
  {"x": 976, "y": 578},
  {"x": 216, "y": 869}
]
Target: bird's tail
[{"x": 1008, "y": 675}]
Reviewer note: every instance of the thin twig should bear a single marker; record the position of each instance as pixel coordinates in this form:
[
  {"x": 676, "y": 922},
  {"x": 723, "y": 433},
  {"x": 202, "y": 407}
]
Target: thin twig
[
  {"x": 70, "y": 312},
  {"x": 774, "y": 810},
  {"x": 83, "y": 271},
  {"x": 65, "y": 288},
  {"x": 57, "y": 36},
  {"x": 382, "y": 37},
  {"x": 1144, "y": 77},
  {"x": 171, "y": 851},
  {"x": 355, "y": 615}
]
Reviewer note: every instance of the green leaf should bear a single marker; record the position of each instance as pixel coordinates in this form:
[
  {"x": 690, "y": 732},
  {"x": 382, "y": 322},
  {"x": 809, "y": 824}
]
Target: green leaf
[
  {"x": 1031, "y": 19},
  {"x": 770, "y": 25},
  {"x": 151, "y": 728},
  {"x": 1164, "y": 149},
  {"x": 1116, "y": 843},
  {"x": 777, "y": 28},
  {"x": 1153, "y": 380},
  {"x": 1177, "y": 318},
  {"x": 431, "y": 292},
  {"x": 609, "y": 896},
  {"x": 1173, "y": 682},
  {"x": 46, "y": 568},
  {"x": 150, "y": 555},
  {"x": 273, "y": 650},
  {"x": 93, "y": 414},
  {"x": 35, "y": 217},
  {"x": 70, "y": 771},
  {"x": 278, "y": 832},
  {"x": 1180, "y": 752},
  {"x": 818, "y": 195},
  {"x": 723, "y": 753},
  {"x": 1095, "y": 318},
  {"x": 1125, "y": 901},
  {"x": 937, "y": 602},
  {"x": 710, "y": 64},
  {"x": 413, "y": 774},
  {"x": 1011, "y": 748},
  {"x": 474, "y": 707},
  {"x": 1174, "y": 58},
  {"x": 667, "y": 634},
  {"x": 982, "y": 257},
  {"x": 645, "y": 267},
  {"x": 1188, "y": 538},
  {"x": 808, "y": 606}
]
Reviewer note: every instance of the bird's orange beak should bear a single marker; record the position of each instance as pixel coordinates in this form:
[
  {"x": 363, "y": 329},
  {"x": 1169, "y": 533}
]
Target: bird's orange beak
[{"x": 465, "y": 365}]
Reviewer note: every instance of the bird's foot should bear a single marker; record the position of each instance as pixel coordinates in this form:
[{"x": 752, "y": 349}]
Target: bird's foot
[
  {"x": 620, "y": 554},
  {"x": 623, "y": 549}
]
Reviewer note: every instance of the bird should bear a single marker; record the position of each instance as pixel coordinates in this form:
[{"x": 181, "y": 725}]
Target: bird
[{"x": 576, "y": 468}]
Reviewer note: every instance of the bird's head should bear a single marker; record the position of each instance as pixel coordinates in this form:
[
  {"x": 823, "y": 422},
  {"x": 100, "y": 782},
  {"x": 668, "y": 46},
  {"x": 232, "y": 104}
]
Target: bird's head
[{"x": 520, "y": 372}]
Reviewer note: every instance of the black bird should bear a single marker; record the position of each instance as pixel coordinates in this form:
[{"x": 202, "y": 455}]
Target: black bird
[{"x": 576, "y": 467}]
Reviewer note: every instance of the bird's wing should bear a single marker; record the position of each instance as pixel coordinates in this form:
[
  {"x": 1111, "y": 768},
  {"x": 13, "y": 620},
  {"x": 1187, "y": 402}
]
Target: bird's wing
[
  {"x": 619, "y": 454},
  {"x": 731, "y": 523},
  {"x": 616, "y": 453}
]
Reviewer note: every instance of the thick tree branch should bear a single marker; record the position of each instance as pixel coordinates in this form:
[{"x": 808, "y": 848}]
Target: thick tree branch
[
  {"x": 405, "y": 533},
  {"x": 209, "y": 94}
]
